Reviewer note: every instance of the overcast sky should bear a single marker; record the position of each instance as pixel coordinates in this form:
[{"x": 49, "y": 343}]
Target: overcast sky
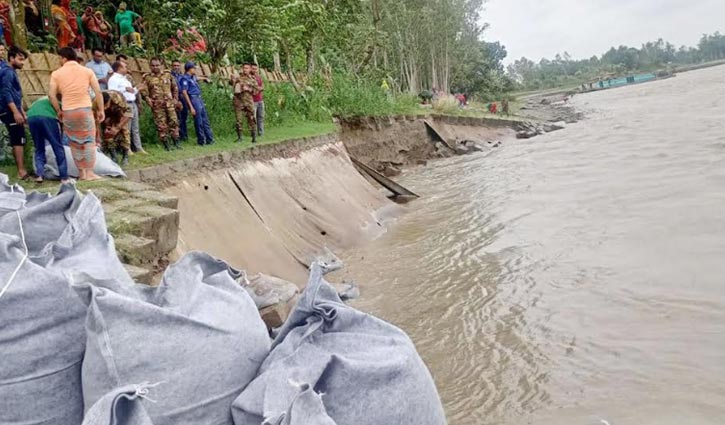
[{"x": 543, "y": 28}]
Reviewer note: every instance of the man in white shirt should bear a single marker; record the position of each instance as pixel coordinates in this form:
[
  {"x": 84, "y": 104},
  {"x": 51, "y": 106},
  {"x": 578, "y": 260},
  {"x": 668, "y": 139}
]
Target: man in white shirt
[{"x": 121, "y": 84}]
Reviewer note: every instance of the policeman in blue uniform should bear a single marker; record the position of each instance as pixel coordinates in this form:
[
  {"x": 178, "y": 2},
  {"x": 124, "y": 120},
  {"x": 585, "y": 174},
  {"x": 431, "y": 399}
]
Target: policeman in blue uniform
[{"x": 191, "y": 92}]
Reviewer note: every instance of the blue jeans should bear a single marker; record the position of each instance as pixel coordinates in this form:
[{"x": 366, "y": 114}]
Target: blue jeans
[
  {"x": 259, "y": 112},
  {"x": 44, "y": 129},
  {"x": 202, "y": 127}
]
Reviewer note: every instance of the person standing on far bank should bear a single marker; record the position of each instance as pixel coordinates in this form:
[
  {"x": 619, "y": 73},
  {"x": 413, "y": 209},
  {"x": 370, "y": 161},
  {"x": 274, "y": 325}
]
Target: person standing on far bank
[
  {"x": 245, "y": 87},
  {"x": 135, "y": 125},
  {"x": 73, "y": 81},
  {"x": 192, "y": 96},
  {"x": 118, "y": 82},
  {"x": 11, "y": 105},
  {"x": 182, "y": 111},
  {"x": 101, "y": 68},
  {"x": 162, "y": 95},
  {"x": 259, "y": 100}
]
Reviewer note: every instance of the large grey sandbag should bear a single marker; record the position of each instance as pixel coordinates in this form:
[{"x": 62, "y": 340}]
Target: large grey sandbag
[
  {"x": 120, "y": 407},
  {"x": 43, "y": 239},
  {"x": 104, "y": 165},
  {"x": 333, "y": 364},
  {"x": 197, "y": 337}
]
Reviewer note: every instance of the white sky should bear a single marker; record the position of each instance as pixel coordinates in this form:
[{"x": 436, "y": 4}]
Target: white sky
[{"x": 543, "y": 28}]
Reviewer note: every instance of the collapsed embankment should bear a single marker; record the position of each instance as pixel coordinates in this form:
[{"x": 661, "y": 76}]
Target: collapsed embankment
[
  {"x": 279, "y": 207},
  {"x": 276, "y": 216}
]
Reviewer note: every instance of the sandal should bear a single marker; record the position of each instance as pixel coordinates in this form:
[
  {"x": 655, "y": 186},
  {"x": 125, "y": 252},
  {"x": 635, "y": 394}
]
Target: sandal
[{"x": 26, "y": 177}]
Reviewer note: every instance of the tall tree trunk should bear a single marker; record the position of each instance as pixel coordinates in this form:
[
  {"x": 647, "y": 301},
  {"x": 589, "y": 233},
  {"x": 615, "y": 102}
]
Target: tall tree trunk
[
  {"x": 447, "y": 72},
  {"x": 17, "y": 21},
  {"x": 277, "y": 61},
  {"x": 311, "y": 54},
  {"x": 433, "y": 73}
]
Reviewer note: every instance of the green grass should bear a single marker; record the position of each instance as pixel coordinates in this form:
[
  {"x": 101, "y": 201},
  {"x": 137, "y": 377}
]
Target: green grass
[
  {"x": 157, "y": 155},
  {"x": 226, "y": 142},
  {"x": 290, "y": 113}
]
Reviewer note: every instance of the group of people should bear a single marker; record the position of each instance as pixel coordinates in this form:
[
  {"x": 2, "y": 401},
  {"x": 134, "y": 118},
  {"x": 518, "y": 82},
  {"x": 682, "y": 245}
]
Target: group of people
[{"x": 100, "y": 104}]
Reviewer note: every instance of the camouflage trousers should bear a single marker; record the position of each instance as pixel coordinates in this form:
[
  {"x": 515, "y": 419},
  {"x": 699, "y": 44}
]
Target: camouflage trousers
[
  {"x": 244, "y": 107},
  {"x": 166, "y": 120},
  {"x": 121, "y": 142}
]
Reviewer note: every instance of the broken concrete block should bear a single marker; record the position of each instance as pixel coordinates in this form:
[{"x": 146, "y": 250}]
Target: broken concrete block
[
  {"x": 136, "y": 251},
  {"x": 139, "y": 274}
]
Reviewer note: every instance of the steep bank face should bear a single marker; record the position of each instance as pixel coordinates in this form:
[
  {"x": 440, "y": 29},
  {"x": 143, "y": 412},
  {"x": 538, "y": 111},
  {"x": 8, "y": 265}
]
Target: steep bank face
[
  {"x": 384, "y": 142},
  {"x": 275, "y": 216},
  {"x": 275, "y": 208}
]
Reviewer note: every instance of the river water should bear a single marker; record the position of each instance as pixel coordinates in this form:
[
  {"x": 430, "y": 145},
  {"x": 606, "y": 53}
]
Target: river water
[{"x": 574, "y": 278}]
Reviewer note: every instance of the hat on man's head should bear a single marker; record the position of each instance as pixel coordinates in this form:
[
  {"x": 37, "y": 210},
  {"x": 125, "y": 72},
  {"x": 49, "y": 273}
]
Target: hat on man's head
[
  {"x": 189, "y": 65},
  {"x": 122, "y": 6}
]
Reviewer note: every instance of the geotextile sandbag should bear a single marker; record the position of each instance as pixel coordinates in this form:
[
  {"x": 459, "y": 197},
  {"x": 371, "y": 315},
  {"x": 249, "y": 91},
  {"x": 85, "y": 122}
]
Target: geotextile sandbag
[
  {"x": 44, "y": 240},
  {"x": 104, "y": 165},
  {"x": 197, "y": 338},
  {"x": 331, "y": 364}
]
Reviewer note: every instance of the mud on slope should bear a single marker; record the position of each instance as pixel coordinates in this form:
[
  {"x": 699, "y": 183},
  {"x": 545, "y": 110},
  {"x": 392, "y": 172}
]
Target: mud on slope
[
  {"x": 276, "y": 216},
  {"x": 390, "y": 142}
]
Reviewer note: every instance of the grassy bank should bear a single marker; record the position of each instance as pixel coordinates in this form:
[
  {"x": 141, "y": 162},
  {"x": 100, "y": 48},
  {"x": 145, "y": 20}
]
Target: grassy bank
[{"x": 291, "y": 112}]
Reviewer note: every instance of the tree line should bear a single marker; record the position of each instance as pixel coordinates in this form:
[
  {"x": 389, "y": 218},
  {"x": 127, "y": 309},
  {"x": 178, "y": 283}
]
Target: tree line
[
  {"x": 413, "y": 44},
  {"x": 652, "y": 56}
]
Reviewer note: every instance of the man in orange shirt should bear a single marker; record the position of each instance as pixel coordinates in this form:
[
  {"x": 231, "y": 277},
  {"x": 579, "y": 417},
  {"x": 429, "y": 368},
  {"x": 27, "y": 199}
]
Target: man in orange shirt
[{"x": 72, "y": 81}]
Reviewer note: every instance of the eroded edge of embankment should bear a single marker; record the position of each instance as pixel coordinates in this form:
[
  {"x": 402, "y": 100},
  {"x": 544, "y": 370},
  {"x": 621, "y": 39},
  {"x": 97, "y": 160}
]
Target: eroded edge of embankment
[{"x": 145, "y": 221}]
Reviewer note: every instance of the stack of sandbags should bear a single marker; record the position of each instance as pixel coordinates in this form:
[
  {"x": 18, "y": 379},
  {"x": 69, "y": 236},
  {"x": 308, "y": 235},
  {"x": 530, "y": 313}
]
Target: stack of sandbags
[
  {"x": 331, "y": 364},
  {"x": 43, "y": 241},
  {"x": 181, "y": 351}
]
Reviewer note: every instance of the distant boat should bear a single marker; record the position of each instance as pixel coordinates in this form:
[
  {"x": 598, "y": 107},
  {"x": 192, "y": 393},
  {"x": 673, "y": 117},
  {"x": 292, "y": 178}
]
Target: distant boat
[{"x": 611, "y": 82}]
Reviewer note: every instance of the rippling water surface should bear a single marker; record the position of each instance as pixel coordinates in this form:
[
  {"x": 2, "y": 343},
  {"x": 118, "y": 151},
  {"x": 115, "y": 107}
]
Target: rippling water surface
[{"x": 574, "y": 278}]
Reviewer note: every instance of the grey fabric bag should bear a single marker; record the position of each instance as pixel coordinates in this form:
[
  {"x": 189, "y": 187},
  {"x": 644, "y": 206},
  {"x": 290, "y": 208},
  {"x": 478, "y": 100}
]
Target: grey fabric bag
[
  {"x": 104, "y": 165},
  {"x": 42, "y": 336},
  {"x": 331, "y": 364},
  {"x": 120, "y": 407},
  {"x": 197, "y": 338}
]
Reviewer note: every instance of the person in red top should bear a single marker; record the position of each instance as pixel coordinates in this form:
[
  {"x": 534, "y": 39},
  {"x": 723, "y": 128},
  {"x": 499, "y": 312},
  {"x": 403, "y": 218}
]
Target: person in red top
[{"x": 259, "y": 100}]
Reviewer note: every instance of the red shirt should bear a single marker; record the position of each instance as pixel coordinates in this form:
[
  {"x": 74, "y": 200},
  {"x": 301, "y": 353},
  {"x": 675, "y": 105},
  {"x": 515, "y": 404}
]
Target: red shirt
[{"x": 260, "y": 95}]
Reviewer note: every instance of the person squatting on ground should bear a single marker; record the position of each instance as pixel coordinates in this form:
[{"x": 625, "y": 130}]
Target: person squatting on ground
[
  {"x": 245, "y": 88},
  {"x": 44, "y": 127},
  {"x": 259, "y": 101},
  {"x": 192, "y": 96},
  {"x": 73, "y": 81},
  {"x": 161, "y": 93},
  {"x": 11, "y": 105},
  {"x": 116, "y": 138}
]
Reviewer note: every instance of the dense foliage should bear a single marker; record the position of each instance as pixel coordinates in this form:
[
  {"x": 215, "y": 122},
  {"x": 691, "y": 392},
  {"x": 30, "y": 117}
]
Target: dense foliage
[
  {"x": 413, "y": 44},
  {"x": 652, "y": 56}
]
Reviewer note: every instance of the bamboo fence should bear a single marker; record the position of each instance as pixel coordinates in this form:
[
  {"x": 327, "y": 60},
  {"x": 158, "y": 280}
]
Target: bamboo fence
[{"x": 35, "y": 75}]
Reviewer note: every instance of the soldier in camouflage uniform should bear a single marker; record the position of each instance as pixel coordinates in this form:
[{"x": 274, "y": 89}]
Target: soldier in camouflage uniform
[
  {"x": 116, "y": 137},
  {"x": 245, "y": 87},
  {"x": 162, "y": 93}
]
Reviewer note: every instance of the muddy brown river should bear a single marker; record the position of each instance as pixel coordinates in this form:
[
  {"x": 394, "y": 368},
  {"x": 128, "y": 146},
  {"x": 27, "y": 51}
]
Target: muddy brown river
[{"x": 574, "y": 278}]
